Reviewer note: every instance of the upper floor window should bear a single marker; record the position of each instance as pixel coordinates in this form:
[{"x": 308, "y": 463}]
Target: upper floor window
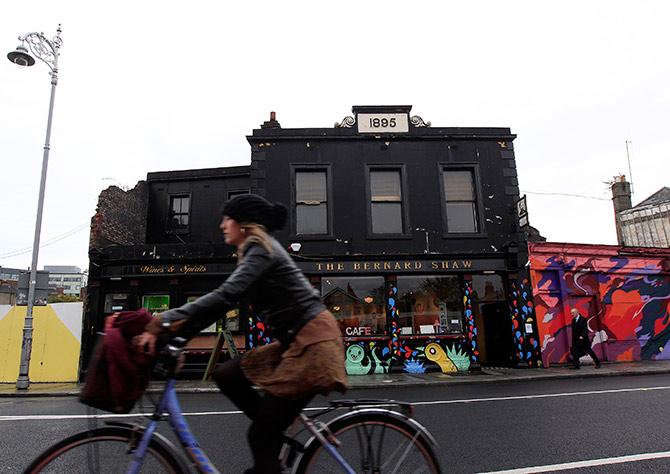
[
  {"x": 460, "y": 201},
  {"x": 311, "y": 202},
  {"x": 178, "y": 219},
  {"x": 386, "y": 202}
]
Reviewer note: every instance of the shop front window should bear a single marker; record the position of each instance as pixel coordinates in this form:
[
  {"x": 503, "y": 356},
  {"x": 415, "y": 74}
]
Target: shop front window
[
  {"x": 156, "y": 303},
  {"x": 488, "y": 288},
  {"x": 357, "y": 303},
  {"x": 429, "y": 305}
]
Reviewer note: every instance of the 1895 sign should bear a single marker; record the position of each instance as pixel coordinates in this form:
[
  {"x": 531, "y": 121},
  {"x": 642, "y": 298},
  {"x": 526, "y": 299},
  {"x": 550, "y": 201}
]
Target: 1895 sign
[{"x": 383, "y": 123}]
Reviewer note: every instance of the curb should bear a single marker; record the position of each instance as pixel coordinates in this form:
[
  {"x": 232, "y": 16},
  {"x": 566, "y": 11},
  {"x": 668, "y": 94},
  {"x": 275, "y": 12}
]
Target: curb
[{"x": 460, "y": 380}]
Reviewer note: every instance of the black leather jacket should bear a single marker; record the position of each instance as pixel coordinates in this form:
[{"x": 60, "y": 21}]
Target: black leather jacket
[{"x": 270, "y": 281}]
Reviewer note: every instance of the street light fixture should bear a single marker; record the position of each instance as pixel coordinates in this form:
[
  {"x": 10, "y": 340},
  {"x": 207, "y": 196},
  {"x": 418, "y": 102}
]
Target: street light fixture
[
  {"x": 21, "y": 57},
  {"x": 46, "y": 51}
]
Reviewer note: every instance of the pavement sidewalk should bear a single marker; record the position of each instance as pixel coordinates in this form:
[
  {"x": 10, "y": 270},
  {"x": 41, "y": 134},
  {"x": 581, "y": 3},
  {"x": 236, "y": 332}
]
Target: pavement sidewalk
[{"x": 486, "y": 375}]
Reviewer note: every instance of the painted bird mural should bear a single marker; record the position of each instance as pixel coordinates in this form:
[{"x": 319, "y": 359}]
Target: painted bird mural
[{"x": 436, "y": 354}]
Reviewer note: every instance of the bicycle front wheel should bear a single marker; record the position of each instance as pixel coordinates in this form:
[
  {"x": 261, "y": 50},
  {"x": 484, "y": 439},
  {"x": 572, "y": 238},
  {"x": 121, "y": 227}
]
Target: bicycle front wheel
[
  {"x": 104, "y": 450},
  {"x": 373, "y": 443}
]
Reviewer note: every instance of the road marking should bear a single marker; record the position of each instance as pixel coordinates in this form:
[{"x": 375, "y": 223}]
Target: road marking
[
  {"x": 580, "y": 464},
  {"x": 544, "y": 395},
  {"x": 434, "y": 402},
  {"x": 105, "y": 416}
]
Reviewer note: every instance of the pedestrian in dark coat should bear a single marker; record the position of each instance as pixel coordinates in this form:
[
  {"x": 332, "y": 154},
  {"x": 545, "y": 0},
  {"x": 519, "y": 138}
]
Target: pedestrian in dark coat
[{"x": 580, "y": 339}]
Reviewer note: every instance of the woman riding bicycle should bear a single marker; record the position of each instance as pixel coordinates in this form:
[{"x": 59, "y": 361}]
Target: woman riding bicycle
[{"x": 306, "y": 356}]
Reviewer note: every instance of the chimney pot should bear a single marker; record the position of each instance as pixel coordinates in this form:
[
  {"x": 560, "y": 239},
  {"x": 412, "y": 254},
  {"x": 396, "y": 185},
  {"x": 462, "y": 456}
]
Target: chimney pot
[
  {"x": 621, "y": 198},
  {"x": 272, "y": 123}
]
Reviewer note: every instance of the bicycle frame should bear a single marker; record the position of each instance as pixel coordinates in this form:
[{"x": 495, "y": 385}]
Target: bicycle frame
[{"x": 170, "y": 404}]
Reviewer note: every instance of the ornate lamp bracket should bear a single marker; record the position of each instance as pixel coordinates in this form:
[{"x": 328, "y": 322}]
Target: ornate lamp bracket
[{"x": 44, "y": 49}]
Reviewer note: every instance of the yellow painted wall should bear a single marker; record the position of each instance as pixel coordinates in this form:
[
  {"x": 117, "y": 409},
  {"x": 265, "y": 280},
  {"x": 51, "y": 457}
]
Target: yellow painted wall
[{"x": 55, "y": 350}]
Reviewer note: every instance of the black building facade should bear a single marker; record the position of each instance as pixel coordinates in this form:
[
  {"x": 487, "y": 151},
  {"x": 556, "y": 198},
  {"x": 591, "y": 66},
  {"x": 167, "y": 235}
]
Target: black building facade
[{"x": 409, "y": 231}]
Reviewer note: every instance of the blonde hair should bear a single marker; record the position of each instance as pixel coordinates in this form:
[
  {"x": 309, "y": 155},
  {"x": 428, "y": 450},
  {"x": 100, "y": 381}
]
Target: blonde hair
[{"x": 255, "y": 233}]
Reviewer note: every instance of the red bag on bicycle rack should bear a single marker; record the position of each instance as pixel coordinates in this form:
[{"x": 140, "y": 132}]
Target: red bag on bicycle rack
[{"x": 118, "y": 375}]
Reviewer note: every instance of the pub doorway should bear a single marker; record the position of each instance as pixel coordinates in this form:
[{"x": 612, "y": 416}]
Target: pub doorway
[
  {"x": 497, "y": 335},
  {"x": 496, "y": 344}
]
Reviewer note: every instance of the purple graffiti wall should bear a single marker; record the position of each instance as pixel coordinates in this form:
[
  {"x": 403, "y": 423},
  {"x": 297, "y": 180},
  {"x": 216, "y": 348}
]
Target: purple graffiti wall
[{"x": 624, "y": 293}]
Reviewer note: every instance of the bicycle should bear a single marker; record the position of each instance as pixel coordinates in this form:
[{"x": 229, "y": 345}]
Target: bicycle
[{"x": 352, "y": 442}]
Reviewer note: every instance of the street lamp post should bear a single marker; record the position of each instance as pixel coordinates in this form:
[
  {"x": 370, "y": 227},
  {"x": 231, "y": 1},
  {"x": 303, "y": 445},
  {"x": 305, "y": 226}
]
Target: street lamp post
[{"x": 47, "y": 51}]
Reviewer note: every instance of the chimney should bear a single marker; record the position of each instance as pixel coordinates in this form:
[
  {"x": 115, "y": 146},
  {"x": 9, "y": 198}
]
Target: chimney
[
  {"x": 621, "y": 199},
  {"x": 272, "y": 123}
]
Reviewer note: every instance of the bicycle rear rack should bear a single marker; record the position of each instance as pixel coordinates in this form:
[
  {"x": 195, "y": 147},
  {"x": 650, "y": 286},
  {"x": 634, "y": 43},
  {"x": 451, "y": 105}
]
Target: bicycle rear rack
[{"x": 405, "y": 408}]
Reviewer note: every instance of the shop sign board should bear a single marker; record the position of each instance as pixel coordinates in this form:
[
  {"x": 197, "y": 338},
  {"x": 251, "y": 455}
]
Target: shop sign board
[
  {"x": 383, "y": 123},
  {"x": 522, "y": 212},
  {"x": 322, "y": 267}
]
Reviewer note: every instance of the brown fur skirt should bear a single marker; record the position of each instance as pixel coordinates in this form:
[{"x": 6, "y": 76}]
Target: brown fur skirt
[{"x": 313, "y": 363}]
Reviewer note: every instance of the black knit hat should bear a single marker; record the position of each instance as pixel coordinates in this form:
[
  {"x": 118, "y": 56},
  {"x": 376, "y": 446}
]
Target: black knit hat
[{"x": 254, "y": 208}]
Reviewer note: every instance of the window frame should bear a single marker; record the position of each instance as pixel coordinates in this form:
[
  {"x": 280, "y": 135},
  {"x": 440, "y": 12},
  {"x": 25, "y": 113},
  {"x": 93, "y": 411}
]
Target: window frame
[
  {"x": 296, "y": 168},
  {"x": 170, "y": 196},
  {"x": 231, "y": 193},
  {"x": 479, "y": 218},
  {"x": 404, "y": 211}
]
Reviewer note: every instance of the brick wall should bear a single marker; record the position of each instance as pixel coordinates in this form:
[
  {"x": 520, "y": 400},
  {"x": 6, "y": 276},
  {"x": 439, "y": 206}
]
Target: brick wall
[{"x": 120, "y": 217}]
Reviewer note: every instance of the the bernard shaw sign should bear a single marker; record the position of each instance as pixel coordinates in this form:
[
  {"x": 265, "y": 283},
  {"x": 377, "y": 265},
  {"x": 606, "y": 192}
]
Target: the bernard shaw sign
[
  {"x": 322, "y": 267},
  {"x": 401, "y": 266}
]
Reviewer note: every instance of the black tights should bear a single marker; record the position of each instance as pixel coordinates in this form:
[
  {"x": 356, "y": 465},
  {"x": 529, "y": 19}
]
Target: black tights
[{"x": 270, "y": 415}]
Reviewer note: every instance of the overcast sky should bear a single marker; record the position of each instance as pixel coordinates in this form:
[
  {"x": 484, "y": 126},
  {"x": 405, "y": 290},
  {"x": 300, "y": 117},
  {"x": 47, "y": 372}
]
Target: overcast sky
[{"x": 149, "y": 86}]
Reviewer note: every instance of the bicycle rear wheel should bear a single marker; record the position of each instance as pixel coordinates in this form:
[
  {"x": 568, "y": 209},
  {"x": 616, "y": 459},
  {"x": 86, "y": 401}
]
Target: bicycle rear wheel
[
  {"x": 105, "y": 450},
  {"x": 374, "y": 443}
]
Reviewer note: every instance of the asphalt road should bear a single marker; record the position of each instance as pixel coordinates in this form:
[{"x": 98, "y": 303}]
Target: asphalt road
[{"x": 479, "y": 427}]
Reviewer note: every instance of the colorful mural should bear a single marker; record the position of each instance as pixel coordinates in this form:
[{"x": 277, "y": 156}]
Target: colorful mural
[
  {"x": 470, "y": 320},
  {"x": 256, "y": 335},
  {"x": 522, "y": 312},
  {"x": 364, "y": 358},
  {"x": 625, "y": 293},
  {"x": 392, "y": 314},
  {"x": 416, "y": 357}
]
